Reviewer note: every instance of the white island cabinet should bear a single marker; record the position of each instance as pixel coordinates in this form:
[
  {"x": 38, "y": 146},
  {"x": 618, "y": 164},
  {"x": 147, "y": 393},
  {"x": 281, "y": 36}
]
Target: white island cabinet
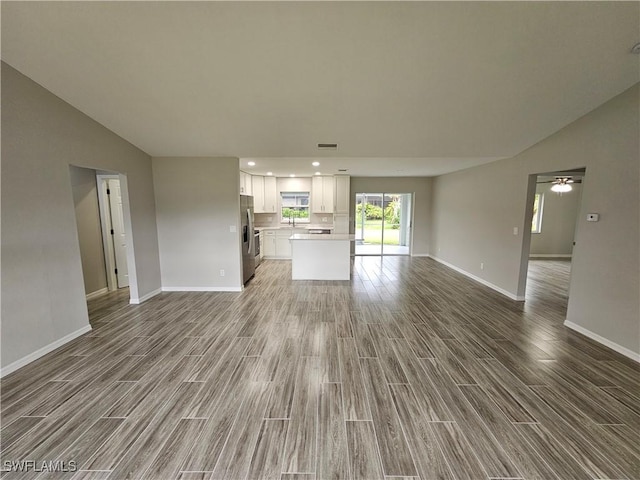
[{"x": 321, "y": 257}]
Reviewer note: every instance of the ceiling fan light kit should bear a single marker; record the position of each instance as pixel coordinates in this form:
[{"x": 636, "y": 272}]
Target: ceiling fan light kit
[
  {"x": 562, "y": 185},
  {"x": 561, "y": 188}
]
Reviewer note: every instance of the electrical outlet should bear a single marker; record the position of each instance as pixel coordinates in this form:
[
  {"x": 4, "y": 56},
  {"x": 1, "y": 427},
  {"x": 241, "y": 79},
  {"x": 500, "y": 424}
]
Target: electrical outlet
[
  {"x": 482, "y": 266},
  {"x": 222, "y": 273},
  {"x": 324, "y": 219},
  {"x": 515, "y": 230},
  {"x": 232, "y": 228}
]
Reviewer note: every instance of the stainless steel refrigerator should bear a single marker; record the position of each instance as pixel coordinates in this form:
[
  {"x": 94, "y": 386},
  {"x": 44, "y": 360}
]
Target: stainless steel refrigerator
[{"x": 247, "y": 238}]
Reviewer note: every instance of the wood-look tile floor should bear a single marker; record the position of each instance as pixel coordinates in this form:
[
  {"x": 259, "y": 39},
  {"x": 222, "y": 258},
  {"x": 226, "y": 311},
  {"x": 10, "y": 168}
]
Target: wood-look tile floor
[{"x": 408, "y": 371}]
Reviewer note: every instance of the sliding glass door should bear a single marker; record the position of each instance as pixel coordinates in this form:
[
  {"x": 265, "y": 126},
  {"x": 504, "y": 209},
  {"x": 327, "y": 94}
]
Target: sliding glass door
[{"x": 383, "y": 223}]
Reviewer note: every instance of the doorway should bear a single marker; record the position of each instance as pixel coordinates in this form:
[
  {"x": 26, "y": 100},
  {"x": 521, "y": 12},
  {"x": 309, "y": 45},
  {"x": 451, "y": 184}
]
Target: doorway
[
  {"x": 114, "y": 235},
  {"x": 383, "y": 223},
  {"x": 554, "y": 203}
]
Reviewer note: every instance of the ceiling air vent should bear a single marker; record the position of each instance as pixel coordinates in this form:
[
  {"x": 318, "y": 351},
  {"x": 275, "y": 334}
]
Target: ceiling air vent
[{"x": 327, "y": 146}]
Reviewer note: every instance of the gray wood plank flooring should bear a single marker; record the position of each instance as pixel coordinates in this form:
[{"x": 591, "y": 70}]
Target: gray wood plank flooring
[{"x": 409, "y": 370}]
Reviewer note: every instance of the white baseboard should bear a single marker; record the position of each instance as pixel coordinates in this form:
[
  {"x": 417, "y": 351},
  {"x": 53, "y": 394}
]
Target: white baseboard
[
  {"x": 12, "y": 367},
  {"x": 420, "y": 255},
  {"x": 144, "y": 298},
  {"x": 548, "y": 255},
  {"x": 604, "y": 341},
  {"x": 202, "y": 289},
  {"x": 97, "y": 293},
  {"x": 479, "y": 280}
]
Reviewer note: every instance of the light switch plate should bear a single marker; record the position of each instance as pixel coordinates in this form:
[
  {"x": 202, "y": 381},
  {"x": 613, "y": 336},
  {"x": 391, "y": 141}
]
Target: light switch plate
[
  {"x": 232, "y": 228},
  {"x": 593, "y": 217}
]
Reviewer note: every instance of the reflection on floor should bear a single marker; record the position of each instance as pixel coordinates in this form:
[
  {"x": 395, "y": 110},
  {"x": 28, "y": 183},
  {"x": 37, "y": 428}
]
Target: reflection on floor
[
  {"x": 408, "y": 370},
  {"x": 370, "y": 249},
  {"x": 548, "y": 287}
]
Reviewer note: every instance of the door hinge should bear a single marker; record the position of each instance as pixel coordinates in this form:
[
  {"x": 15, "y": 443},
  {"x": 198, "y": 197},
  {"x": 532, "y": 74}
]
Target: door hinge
[
  {"x": 112, "y": 232},
  {"x": 116, "y": 270}
]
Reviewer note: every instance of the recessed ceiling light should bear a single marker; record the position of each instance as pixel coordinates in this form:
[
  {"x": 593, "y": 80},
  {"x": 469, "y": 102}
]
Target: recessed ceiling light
[
  {"x": 269, "y": 173},
  {"x": 292, "y": 175},
  {"x": 316, "y": 164},
  {"x": 318, "y": 173},
  {"x": 251, "y": 164}
]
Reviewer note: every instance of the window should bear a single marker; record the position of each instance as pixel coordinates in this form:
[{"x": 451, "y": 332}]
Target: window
[
  {"x": 295, "y": 207},
  {"x": 536, "y": 222}
]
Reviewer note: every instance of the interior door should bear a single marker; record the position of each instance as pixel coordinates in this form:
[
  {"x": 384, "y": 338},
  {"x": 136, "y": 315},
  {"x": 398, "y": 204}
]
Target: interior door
[{"x": 119, "y": 235}]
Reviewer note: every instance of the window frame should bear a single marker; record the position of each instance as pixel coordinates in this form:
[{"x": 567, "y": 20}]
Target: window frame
[
  {"x": 300, "y": 207},
  {"x": 536, "y": 220}
]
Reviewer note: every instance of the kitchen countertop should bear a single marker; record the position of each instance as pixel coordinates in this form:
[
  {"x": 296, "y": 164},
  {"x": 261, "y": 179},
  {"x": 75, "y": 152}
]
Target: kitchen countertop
[
  {"x": 323, "y": 236},
  {"x": 297, "y": 227}
]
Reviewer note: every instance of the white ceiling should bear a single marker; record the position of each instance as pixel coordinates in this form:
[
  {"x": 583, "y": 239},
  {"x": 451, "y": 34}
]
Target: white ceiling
[{"x": 404, "y": 88}]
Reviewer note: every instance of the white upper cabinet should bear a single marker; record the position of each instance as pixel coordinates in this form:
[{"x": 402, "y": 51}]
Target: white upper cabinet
[
  {"x": 322, "y": 194},
  {"x": 270, "y": 195},
  {"x": 342, "y": 187},
  {"x": 263, "y": 189},
  {"x": 245, "y": 184},
  {"x": 257, "y": 187}
]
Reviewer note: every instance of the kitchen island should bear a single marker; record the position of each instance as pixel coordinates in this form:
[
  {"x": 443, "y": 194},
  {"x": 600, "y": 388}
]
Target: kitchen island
[{"x": 321, "y": 256}]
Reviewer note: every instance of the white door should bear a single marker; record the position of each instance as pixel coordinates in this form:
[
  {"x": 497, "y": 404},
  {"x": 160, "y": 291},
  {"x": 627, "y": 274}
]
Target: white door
[{"x": 117, "y": 233}]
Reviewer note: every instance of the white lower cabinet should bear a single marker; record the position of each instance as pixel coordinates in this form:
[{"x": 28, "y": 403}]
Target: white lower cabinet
[
  {"x": 269, "y": 244},
  {"x": 276, "y": 242}
]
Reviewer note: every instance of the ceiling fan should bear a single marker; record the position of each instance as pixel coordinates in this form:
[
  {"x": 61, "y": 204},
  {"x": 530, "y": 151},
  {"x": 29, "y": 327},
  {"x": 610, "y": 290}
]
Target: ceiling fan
[{"x": 562, "y": 184}]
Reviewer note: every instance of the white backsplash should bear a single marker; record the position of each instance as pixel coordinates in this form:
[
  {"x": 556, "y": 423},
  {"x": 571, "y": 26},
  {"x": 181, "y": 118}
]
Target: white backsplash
[{"x": 273, "y": 220}]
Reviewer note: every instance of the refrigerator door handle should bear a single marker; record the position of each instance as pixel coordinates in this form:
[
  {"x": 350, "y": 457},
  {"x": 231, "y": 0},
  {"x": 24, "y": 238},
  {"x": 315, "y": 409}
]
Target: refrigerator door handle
[{"x": 251, "y": 235}]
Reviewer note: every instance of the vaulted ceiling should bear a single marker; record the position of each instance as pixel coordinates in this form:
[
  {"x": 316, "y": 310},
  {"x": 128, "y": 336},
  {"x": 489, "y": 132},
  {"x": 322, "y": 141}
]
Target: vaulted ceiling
[{"x": 404, "y": 88}]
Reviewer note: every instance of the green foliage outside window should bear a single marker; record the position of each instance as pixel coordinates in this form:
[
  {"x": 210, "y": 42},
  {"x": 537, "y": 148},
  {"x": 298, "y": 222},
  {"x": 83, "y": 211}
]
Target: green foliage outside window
[
  {"x": 373, "y": 212},
  {"x": 295, "y": 213}
]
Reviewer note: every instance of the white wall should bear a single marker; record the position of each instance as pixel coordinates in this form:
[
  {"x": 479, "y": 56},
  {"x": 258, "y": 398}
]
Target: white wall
[
  {"x": 197, "y": 201},
  {"x": 85, "y": 199},
  {"x": 559, "y": 216},
  {"x": 420, "y": 186},
  {"x": 43, "y": 298},
  {"x": 475, "y": 210}
]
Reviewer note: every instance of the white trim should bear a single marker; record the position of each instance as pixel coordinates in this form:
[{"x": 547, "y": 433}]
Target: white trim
[
  {"x": 550, "y": 255},
  {"x": 202, "y": 289},
  {"x": 12, "y": 367},
  {"x": 420, "y": 255},
  {"x": 144, "y": 298},
  {"x": 97, "y": 293},
  {"x": 604, "y": 341},
  {"x": 480, "y": 280}
]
